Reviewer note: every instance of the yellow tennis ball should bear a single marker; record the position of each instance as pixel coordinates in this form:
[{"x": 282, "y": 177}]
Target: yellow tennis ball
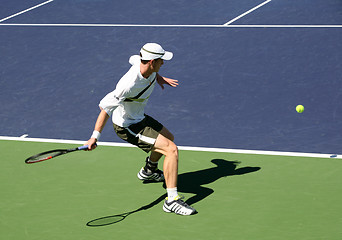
[{"x": 300, "y": 108}]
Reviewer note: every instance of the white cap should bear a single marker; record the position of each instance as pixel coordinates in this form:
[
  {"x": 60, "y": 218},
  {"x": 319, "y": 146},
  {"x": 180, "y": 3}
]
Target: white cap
[{"x": 154, "y": 51}]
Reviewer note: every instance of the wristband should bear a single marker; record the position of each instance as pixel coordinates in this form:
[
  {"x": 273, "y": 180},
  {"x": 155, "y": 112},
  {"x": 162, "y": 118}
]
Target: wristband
[{"x": 96, "y": 134}]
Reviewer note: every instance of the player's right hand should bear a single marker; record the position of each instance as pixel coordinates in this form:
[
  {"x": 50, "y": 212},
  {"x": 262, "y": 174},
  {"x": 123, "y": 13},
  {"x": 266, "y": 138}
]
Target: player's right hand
[{"x": 91, "y": 144}]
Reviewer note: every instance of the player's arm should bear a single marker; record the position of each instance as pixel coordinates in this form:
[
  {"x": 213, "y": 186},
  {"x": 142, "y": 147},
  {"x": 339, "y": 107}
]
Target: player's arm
[
  {"x": 107, "y": 106},
  {"x": 99, "y": 125},
  {"x": 164, "y": 80}
]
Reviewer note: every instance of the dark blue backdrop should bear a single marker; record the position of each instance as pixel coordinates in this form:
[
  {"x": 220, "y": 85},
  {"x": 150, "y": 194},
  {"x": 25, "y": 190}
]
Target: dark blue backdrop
[{"x": 238, "y": 86}]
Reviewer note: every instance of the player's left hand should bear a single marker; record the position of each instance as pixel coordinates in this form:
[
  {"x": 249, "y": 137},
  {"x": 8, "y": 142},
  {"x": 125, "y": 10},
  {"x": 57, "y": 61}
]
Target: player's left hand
[{"x": 163, "y": 80}]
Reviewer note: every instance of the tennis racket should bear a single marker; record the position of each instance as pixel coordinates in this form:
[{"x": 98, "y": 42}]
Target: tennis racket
[{"x": 51, "y": 154}]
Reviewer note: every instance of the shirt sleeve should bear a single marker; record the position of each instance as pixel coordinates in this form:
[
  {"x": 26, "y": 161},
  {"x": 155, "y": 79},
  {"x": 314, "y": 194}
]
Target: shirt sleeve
[
  {"x": 123, "y": 89},
  {"x": 115, "y": 98},
  {"x": 134, "y": 60},
  {"x": 110, "y": 102}
]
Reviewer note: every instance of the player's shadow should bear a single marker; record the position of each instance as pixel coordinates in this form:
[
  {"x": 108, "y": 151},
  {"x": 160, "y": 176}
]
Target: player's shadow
[
  {"x": 108, "y": 220},
  {"x": 190, "y": 182}
]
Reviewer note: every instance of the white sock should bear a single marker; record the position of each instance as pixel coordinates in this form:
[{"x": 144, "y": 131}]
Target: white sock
[{"x": 172, "y": 193}]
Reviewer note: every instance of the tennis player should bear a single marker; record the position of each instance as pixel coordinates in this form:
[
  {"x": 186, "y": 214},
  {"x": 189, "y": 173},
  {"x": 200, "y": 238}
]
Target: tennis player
[{"x": 125, "y": 105}]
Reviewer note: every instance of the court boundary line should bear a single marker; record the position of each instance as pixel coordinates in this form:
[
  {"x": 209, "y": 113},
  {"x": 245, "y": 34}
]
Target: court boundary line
[
  {"x": 163, "y": 25},
  {"x": 24, "y": 138},
  {"x": 246, "y": 13},
  {"x": 225, "y": 25},
  {"x": 24, "y": 11}
]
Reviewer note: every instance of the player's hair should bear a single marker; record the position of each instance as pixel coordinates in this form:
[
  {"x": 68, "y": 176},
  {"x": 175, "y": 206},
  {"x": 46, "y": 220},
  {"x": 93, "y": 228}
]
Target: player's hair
[{"x": 144, "y": 61}]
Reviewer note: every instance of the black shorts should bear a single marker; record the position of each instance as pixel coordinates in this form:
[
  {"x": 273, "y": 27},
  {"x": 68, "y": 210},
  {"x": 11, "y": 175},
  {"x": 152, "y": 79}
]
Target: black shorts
[{"x": 142, "y": 134}]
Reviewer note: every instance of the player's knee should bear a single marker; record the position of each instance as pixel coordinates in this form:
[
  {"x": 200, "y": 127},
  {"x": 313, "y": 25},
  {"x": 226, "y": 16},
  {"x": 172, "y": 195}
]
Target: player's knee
[{"x": 172, "y": 149}]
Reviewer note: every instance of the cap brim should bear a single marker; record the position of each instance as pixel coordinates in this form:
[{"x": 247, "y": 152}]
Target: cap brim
[{"x": 167, "y": 56}]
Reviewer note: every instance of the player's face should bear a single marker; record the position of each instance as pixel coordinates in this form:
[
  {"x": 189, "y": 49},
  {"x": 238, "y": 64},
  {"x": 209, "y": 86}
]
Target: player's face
[{"x": 156, "y": 64}]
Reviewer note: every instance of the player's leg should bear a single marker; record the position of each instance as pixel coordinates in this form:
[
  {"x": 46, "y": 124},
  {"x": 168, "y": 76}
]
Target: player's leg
[
  {"x": 150, "y": 135},
  {"x": 150, "y": 131},
  {"x": 155, "y": 156},
  {"x": 168, "y": 148},
  {"x": 173, "y": 203},
  {"x": 150, "y": 171}
]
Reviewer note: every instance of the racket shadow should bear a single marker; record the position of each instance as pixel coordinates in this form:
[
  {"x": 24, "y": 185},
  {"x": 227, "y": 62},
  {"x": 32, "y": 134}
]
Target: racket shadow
[
  {"x": 108, "y": 220},
  {"x": 191, "y": 182}
]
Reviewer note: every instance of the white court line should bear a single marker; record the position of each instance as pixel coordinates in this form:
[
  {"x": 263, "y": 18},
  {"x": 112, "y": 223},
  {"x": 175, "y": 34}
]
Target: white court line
[
  {"x": 201, "y": 149},
  {"x": 226, "y": 25},
  {"x": 29, "y": 9},
  {"x": 161, "y": 26},
  {"x": 249, "y": 11}
]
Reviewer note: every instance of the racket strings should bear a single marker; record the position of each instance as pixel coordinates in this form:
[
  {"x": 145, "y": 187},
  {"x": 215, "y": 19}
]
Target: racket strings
[{"x": 44, "y": 156}]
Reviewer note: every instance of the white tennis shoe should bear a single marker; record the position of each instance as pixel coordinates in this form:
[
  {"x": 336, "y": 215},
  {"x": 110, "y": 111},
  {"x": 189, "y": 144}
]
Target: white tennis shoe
[
  {"x": 178, "y": 206},
  {"x": 156, "y": 175}
]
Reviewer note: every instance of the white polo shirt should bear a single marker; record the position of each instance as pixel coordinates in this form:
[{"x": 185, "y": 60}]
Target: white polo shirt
[{"x": 130, "y": 85}]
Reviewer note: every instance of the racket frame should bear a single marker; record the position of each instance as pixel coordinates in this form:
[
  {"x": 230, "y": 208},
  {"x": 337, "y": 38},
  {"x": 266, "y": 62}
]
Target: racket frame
[{"x": 59, "y": 152}]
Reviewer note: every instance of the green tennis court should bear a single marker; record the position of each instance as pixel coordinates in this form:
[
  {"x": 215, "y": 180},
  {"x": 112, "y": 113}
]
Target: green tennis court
[{"x": 238, "y": 196}]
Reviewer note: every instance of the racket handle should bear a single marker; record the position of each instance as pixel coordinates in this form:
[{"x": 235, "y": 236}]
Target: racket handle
[{"x": 84, "y": 147}]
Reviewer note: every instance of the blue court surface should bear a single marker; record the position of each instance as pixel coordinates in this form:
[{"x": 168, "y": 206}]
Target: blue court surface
[{"x": 243, "y": 66}]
